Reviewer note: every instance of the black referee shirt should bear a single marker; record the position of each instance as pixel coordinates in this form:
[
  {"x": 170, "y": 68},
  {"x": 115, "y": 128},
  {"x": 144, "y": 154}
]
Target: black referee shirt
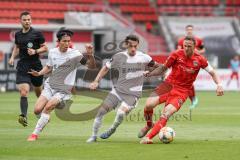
[{"x": 31, "y": 39}]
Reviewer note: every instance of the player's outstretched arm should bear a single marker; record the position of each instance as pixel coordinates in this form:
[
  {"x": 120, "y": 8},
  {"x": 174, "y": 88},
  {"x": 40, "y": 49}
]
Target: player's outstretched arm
[
  {"x": 217, "y": 82},
  {"x": 45, "y": 70},
  {"x": 100, "y": 75},
  {"x": 15, "y": 52},
  {"x": 160, "y": 70}
]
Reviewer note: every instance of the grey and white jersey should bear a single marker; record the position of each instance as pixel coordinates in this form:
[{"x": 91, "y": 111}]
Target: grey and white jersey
[
  {"x": 130, "y": 72},
  {"x": 64, "y": 68}
]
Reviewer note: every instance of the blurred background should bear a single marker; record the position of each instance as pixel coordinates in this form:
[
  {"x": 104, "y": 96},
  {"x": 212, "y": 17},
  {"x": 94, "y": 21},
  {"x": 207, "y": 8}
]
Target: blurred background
[{"x": 105, "y": 23}]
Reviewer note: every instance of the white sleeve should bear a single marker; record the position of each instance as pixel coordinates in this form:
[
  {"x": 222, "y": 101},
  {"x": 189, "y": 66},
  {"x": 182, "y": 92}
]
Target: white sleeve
[
  {"x": 75, "y": 53},
  {"x": 147, "y": 58},
  {"x": 209, "y": 68},
  {"x": 50, "y": 60},
  {"x": 109, "y": 63}
]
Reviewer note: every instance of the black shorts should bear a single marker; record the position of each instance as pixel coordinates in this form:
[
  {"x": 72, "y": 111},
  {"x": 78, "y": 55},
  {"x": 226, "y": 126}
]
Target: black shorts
[{"x": 24, "y": 77}]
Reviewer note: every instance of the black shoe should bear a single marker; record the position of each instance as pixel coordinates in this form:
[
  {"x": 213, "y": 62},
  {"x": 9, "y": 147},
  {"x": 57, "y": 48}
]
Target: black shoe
[{"x": 23, "y": 120}]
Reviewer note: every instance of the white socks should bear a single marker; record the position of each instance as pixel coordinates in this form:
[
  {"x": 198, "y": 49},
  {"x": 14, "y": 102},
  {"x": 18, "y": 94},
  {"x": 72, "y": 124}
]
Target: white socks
[
  {"x": 96, "y": 125},
  {"x": 118, "y": 119},
  {"x": 41, "y": 123}
]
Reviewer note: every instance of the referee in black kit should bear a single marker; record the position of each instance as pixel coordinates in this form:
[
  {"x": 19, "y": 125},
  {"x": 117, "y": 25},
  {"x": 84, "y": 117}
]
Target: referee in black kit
[{"x": 29, "y": 43}]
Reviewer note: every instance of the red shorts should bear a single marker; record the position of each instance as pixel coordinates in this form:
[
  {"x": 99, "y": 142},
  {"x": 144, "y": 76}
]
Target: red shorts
[
  {"x": 176, "y": 96},
  {"x": 192, "y": 92},
  {"x": 234, "y": 74}
]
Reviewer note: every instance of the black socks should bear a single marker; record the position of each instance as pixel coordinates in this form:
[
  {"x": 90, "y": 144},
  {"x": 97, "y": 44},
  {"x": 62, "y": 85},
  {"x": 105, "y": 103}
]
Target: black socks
[{"x": 24, "y": 106}]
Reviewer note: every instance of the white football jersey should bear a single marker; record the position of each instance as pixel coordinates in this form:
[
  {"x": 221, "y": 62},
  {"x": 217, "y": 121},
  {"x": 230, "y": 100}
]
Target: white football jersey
[
  {"x": 57, "y": 58},
  {"x": 130, "y": 70}
]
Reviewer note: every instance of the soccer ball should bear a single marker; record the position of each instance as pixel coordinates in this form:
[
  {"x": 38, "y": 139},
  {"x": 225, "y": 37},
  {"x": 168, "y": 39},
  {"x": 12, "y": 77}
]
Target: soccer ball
[
  {"x": 166, "y": 135},
  {"x": 3, "y": 89}
]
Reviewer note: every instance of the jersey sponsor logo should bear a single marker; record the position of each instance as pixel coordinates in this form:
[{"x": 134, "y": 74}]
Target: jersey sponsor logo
[
  {"x": 188, "y": 70},
  {"x": 30, "y": 45},
  {"x": 195, "y": 63}
]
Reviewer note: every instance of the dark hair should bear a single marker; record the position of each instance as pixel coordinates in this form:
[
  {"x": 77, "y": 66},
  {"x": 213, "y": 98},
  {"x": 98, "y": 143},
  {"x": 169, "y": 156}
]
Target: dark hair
[
  {"x": 132, "y": 37},
  {"x": 24, "y": 13},
  {"x": 189, "y": 25},
  {"x": 190, "y": 38},
  {"x": 63, "y": 32}
]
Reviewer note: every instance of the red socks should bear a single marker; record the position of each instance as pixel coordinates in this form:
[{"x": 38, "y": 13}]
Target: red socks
[
  {"x": 157, "y": 127},
  {"x": 148, "y": 117}
]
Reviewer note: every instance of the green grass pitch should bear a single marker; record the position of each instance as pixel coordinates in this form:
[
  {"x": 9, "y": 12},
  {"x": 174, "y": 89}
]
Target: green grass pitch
[{"x": 210, "y": 132}]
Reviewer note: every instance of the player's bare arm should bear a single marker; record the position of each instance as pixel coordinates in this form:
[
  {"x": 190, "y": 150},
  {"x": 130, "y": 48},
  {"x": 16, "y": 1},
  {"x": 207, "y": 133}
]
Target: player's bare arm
[
  {"x": 91, "y": 63},
  {"x": 100, "y": 75},
  {"x": 15, "y": 52},
  {"x": 216, "y": 79},
  {"x": 217, "y": 82},
  {"x": 44, "y": 71},
  {"x": 160, "y": 70},
  {"x": 151, "y": 66},
  {"x": 40, "y": 50}
]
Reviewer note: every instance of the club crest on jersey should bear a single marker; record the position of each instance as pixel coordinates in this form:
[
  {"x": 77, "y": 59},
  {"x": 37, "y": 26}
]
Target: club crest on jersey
[
  {"x": 180, "y": 102},
  {"x": 195, "y": 63},
  {"x": 30, "y": 45}
]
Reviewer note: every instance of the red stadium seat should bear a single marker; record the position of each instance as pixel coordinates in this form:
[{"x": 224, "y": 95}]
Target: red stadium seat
[
  {"x": 136, "y": 9},
  {"x": 145, "y": 18}
]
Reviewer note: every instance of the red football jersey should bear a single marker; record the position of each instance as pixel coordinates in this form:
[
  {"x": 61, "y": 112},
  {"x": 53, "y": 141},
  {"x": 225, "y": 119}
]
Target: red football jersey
[
  {"x": 184, "y": 69},
  {"x": 199, "y": 42}
]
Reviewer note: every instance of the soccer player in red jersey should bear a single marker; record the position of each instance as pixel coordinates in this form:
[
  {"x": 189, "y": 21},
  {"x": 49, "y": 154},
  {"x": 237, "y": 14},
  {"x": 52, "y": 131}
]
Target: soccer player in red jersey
[
  {"x": 199, "y": 46},
  {"x": 185, "y": 64}
]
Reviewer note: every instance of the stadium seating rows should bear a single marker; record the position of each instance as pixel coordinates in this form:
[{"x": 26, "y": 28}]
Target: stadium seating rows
[
  {"x": 145, "y": 17},
  {"x": 56, "y": 1},
  {"x": 129, "y": 2},
  {"x": 188, "y": 2},
  {"x": 233, "y": 2},
  {"x": 137, "y": 9},
  {"x": 186, "y": 10},
  {"x": 16, "y": 20},
  {"x": 38, "y": 14}
]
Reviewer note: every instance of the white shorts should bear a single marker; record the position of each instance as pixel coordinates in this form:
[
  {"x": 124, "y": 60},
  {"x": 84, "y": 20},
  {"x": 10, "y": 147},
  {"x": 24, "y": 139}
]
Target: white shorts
[
  {"x": 50, "y": 93},
  {"x": 123, "y": 103}
]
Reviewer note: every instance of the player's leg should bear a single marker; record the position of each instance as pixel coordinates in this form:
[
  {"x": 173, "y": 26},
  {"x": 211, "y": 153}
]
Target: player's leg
[
  {"x": 122, "y": 111},
  {"x": 37, "y": 84},
  {"x": 230, "y": 79},
  {"x": 110, "y": 102},
  {"x": 174, "y": 101},
  {"x": 44, "y": 119},
  {"x": 53, "y": 100},
  {"x": 24, "y": 91},
  {"x": 151, "y": 103},
  {"x": 237, "y": 79},
  {"x": 45, "y": 96},
  {"x": 167, "y": 112},
  {"x": 23, "y": 82},
  {"x": 37, "y": 81},
  {"x": 37, "y": 90},
  {"x": 193, "y": 98},
  {"x": 39, "y": 106}
]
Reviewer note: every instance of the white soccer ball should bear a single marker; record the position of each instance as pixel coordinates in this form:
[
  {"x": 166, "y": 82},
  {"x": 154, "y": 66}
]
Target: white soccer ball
[
  {"x": 3, "y": 89},
  {"x": 166, "y": 135}
]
